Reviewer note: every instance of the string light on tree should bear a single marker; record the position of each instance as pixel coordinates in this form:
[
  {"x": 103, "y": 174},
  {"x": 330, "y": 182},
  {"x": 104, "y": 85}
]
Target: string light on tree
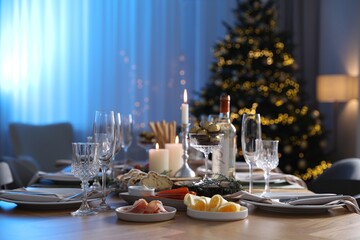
[{"x": 255, "y": 65}]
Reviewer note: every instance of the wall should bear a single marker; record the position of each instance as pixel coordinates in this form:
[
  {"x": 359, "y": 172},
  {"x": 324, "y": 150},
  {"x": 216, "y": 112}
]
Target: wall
[{"x": 339, "y": 54}]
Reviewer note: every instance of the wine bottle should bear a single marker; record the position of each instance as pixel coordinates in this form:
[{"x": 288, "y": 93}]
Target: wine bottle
[{"x": 223, "y": 159}]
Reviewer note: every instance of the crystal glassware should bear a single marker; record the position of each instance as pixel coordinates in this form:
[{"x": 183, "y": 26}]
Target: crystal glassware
[
  {"x": 104, "y": 135},
  {"x": 250, "y": 131},
  {"x": 96, "y": 186},
  {"x": 85, "y": 166},
  {"x": 127, "y": 135},
  {"x": 206, "y": 143},
  {"x": 117, "y": 145},
  {"x": 267, "y": 159}
]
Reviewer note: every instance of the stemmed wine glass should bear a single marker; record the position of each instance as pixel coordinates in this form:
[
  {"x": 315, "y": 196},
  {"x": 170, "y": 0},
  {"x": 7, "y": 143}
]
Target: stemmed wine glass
[
  {"x": 267, "y": 159},
  {"x": 104, "y": 135},
  {"x": 84, "y": 166},
  {"x": 206, "y": 144},
  {"x": 250, "y": 131},
  {"x": 127, "y": 135}
]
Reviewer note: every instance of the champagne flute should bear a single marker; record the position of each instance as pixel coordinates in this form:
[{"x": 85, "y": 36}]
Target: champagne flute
[
  {"x": 267, "y": 159},
  {"x": 104, "y": 135},
  {"x": 84, "y": 166},
  {"x": 118, "y": 141},
  {"x": 127, "y": 135},
  {"x": 250, "y": 131}
]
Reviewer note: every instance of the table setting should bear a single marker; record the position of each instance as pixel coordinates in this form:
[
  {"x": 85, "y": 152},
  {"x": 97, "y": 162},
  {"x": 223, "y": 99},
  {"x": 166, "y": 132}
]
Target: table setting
[{"x": 169, "y": 183}]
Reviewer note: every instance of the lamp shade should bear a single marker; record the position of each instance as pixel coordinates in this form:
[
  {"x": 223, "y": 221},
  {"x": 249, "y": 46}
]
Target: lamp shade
[{"x": 336, "y": 88}]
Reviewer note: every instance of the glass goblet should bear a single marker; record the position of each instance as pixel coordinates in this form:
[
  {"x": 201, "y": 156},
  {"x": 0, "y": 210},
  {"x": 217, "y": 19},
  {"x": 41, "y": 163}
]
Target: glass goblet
[
  {"x": 206, "y": 144},
  {"x": 250, "y": 131},
  {"x": 267, "y": 159},
  {"x": 104, "y": 135},
  {"x": 84, "y": 166}
]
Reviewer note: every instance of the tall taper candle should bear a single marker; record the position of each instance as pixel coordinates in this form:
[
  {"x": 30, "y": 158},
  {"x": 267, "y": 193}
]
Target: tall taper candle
[{"x": 185, "y": 110}]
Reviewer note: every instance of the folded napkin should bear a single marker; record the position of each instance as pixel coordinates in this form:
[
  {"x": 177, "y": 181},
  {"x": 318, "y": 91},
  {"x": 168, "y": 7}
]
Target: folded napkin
[
  {"x": 45, "y": 194},
  {"x": 243, "y": 195},
  {"x": 57, "y": 176},
  {"x": 349, "y": 202},
  {"x": 273, "y": 176}
]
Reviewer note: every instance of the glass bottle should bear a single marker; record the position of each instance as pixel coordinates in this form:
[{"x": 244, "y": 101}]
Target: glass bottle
[{"x": 223, "y": 160}]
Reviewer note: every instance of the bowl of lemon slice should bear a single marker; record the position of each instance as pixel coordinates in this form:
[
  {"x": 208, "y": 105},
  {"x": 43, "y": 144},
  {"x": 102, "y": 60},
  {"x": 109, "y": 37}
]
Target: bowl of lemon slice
[{"x": 215, "y": 208}]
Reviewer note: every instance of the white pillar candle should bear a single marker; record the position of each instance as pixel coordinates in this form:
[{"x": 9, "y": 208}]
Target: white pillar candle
[
  {"x": 158, "y": 159},
  {"x": 175, "y": 156},
  {"x": 185, "y": 110}
]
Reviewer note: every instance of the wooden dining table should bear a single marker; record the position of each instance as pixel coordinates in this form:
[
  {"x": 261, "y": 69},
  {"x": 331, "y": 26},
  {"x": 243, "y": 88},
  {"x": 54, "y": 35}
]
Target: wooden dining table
[{"x": 27, "y": 223}]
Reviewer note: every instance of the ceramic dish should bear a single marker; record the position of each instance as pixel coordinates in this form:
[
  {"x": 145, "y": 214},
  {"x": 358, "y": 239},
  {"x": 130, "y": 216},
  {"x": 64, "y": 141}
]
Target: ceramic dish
[
  {"x": 140, "y": 191},
  {"x": 141, "y": 217},
  {"x": 47, "y": 205},
  {"x": 293, "y": 209},
  {"x": 218, "y": 216},
  {"x": 176, "y": 203},
  {"x": 259, "y": 177}
]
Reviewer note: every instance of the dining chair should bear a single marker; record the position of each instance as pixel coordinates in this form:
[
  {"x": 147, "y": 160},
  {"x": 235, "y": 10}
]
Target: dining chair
[
  {"x": 5, "y": 175},
  {"x": 343, "y": 177},
  {"x": 47, "y": 145}
]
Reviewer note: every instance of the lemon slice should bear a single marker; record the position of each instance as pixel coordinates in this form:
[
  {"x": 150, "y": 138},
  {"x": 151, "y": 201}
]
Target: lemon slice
[
  {"x": 201, "y": 204},
  {"x": 215, "y": 202},
  {"x": 229, "y": 207},
  {"x": 189, "y": 200}
]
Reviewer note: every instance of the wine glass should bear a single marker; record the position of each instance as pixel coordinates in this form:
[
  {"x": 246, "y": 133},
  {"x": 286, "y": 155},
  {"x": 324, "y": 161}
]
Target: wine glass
[
  {"x": 84, "y": 166},
  {"x": 206, "y": 144},
  {"x": 267, "y": 159},
  {"x": 127, "y": 135},
  {"x": 250, "y": 131},
  {"x": 104, "y": 135},
  {"x": 96, "y": 186}
]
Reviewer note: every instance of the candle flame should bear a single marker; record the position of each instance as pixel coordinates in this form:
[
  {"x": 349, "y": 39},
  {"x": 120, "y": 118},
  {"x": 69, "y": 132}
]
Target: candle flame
[
  {"x": 185, "y": 96},
  {"x": 177, "y": 139},
  {"x": 156, "y": 146}
]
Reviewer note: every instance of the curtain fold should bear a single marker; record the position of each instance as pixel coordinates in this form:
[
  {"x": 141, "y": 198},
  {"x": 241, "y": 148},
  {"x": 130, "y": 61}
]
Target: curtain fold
[{"x": 62, "y": 60}]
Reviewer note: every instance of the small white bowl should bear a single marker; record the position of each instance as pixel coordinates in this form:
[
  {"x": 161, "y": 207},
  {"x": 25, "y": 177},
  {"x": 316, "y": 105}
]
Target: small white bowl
[{"x": 140, "y": 191}]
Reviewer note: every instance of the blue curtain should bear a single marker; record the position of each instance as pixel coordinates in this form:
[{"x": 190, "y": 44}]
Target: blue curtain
[{"x": 60, "y": 60}]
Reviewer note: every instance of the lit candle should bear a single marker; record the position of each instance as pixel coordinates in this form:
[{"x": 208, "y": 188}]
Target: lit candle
[
  {"x": 158, "y": 159},
  {"x": 175, "y": 156},
  {"x": 185, "y": 110}
]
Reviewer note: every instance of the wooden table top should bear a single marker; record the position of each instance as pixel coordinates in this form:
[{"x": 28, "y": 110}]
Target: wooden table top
[{"x": 17, "y": 223}]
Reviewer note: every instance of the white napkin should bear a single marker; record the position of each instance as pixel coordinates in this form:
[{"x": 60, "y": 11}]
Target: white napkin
[
  {"x": 40, "y": 194},
  {"x": 349, "y": 202},
  {"x": 57, "y": 176},
  {"x": 273, "y": 176},
  {"x": 247, "y": 196}
]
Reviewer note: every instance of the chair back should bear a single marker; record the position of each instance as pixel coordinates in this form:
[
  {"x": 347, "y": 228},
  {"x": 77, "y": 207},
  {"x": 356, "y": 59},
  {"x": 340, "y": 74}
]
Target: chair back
[
  {"x": 44, "y": 143},
  {"x": 5, "y": 175},
  {"x": 343, "y": 177}
]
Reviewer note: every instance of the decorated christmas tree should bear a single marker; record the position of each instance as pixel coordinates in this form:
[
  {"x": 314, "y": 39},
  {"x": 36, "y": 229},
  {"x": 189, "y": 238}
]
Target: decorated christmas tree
[{"x": 255, "y": 66}]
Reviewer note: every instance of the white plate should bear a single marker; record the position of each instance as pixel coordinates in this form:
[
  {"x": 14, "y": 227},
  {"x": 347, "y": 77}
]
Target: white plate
[
  {"x": 176, "y": 203},
  {"x": 259, "y": 177},
  {"x": 145, "y": 217},
  {"x": 26, "y": 202},
  {"x": 218, "y": 216},
  {"x": 244, "y": 167},
  {"x": 294, "y": 209}
]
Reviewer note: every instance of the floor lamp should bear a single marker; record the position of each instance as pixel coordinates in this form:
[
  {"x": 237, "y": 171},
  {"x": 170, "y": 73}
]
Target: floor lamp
[{"x": 336, "y": 89}]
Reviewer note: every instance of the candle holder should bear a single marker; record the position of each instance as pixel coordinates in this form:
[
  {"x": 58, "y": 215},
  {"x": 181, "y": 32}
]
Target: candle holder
[{"x": 185, "y": 171}]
